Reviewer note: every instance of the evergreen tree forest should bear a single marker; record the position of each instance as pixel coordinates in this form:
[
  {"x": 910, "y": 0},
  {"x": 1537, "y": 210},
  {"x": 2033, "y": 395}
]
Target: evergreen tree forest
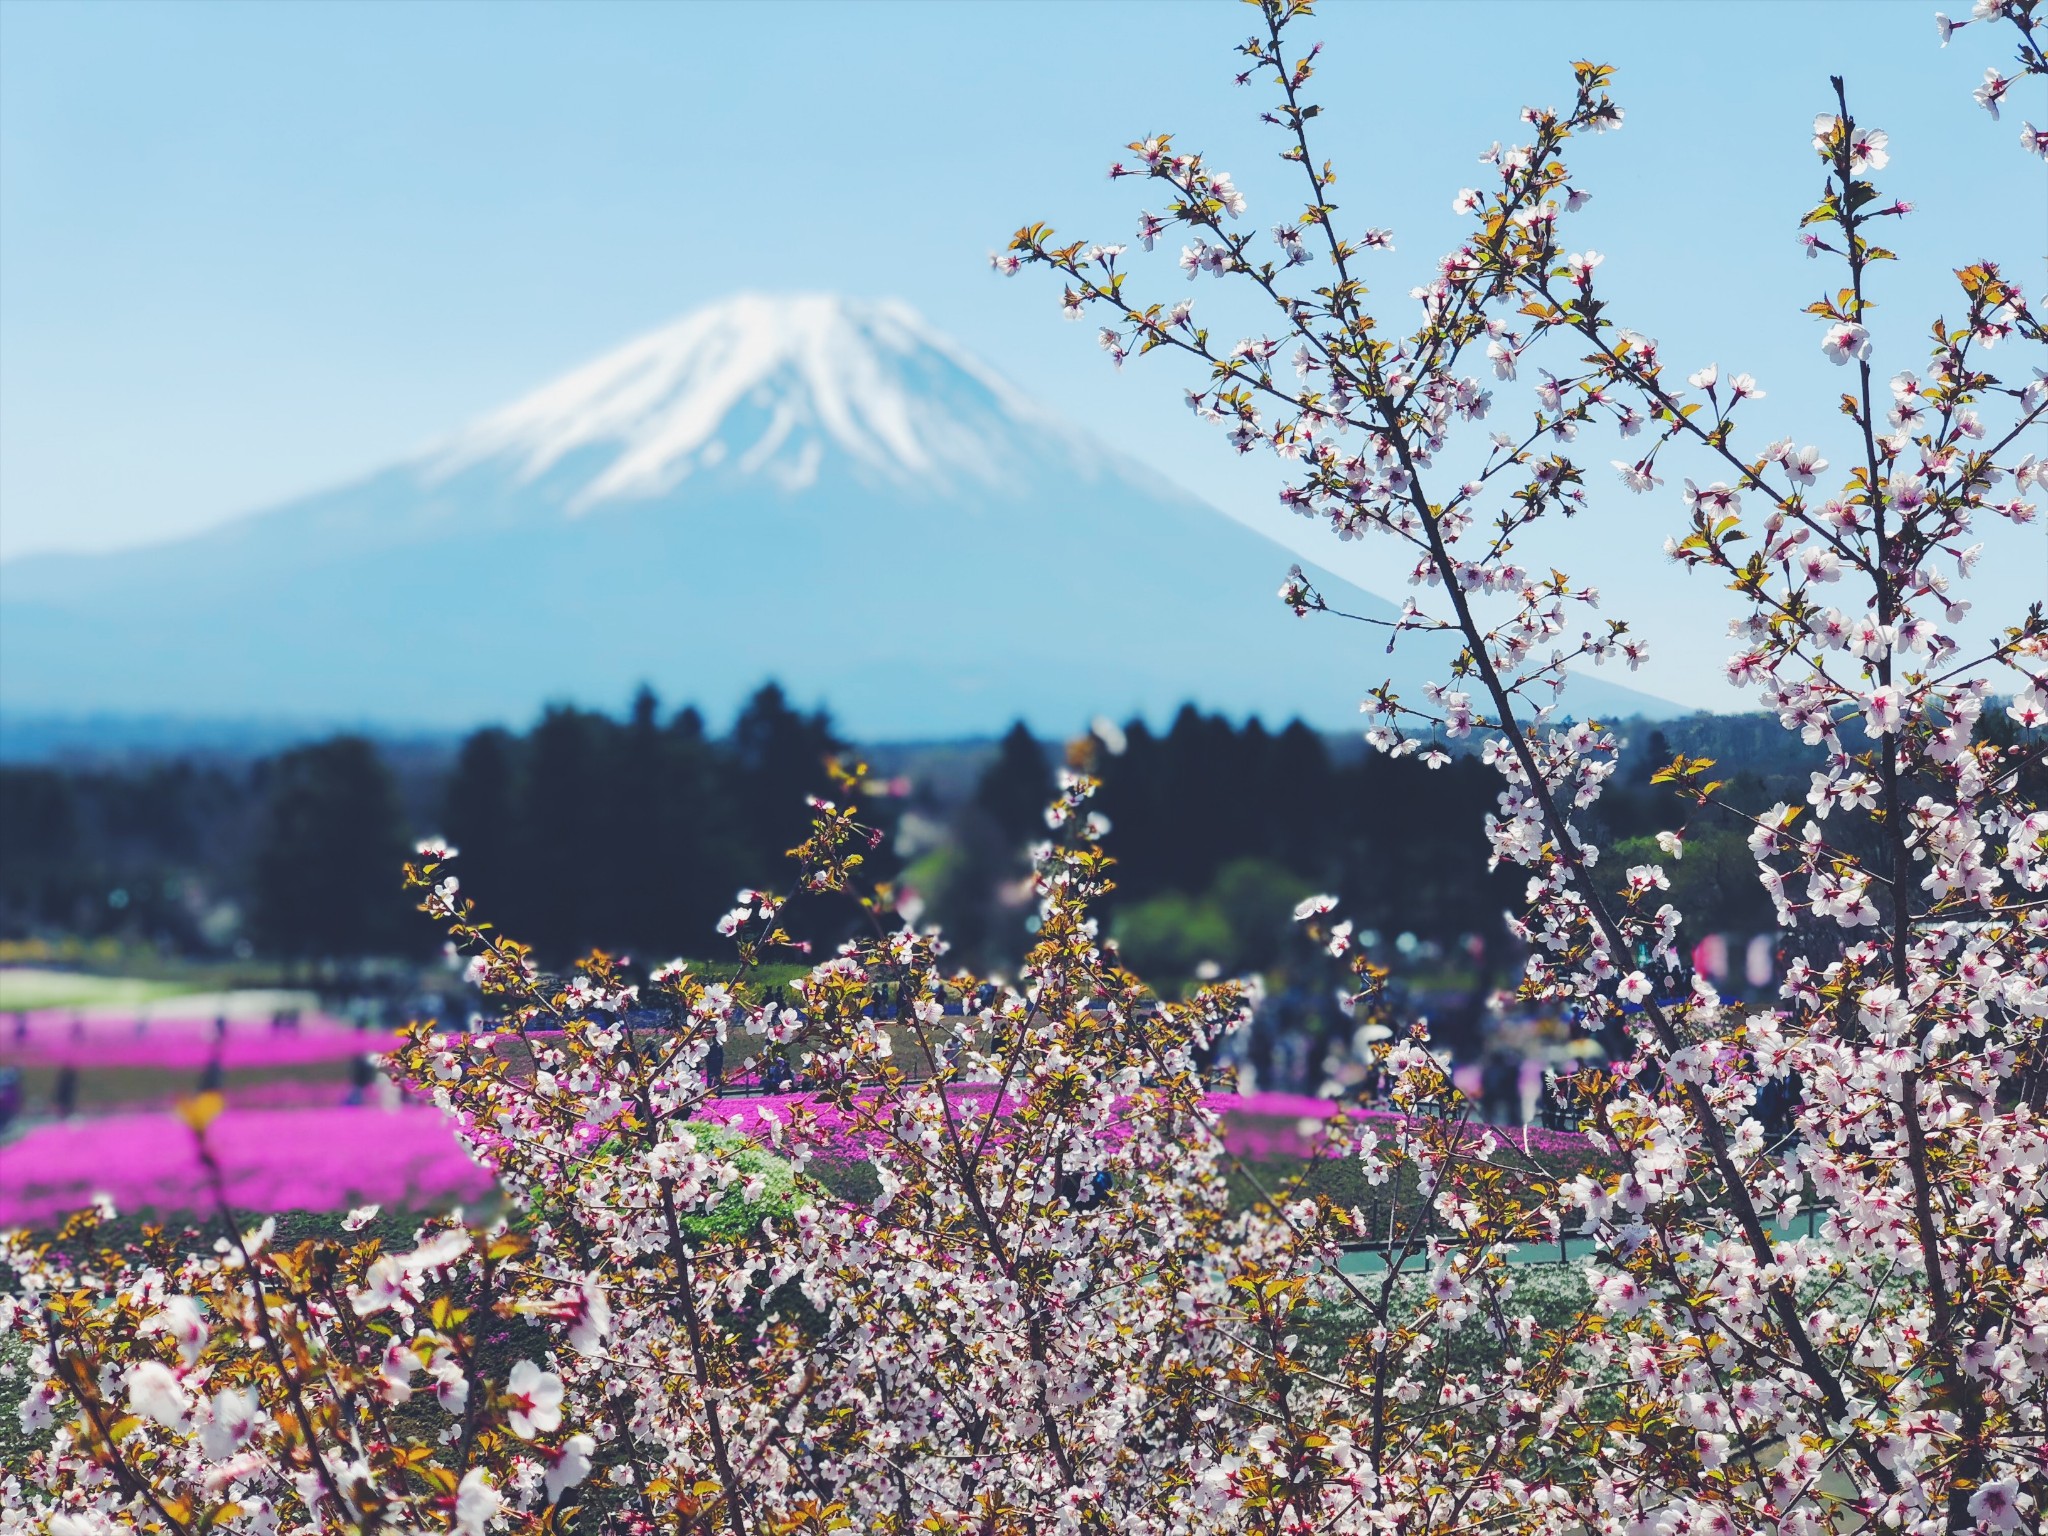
[
  {"x": 633, "y": 833},
  {"x": 587, "y": 830}
]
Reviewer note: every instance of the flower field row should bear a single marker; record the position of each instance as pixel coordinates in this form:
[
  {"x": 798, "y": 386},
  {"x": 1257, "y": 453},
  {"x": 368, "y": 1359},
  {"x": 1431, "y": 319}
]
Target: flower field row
[
  {"x": 273, "y": 1159},
  {"x": 58, "y": 1038},
  {"x": 281, "y": 1152}
]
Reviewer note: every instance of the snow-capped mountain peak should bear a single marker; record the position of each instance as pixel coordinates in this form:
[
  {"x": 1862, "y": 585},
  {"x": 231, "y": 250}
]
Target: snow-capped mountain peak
[
  {"x": 949, "y": 558},
  {"x": 768, "y": 387}
]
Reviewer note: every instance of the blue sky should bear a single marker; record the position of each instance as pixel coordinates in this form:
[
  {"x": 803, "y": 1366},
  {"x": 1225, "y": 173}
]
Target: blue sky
[{"x": 247, "y": 251}]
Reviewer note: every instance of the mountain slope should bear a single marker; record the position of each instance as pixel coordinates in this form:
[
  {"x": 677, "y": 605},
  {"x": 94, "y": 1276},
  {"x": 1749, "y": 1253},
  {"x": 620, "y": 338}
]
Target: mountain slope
[{"x": 812, "y": 489}]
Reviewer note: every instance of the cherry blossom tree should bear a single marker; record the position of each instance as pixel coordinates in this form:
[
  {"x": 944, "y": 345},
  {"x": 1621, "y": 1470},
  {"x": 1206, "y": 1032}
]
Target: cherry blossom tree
[
  {"x": 996, "y": 1268},
  {"x": 1912, "y": 1014}
]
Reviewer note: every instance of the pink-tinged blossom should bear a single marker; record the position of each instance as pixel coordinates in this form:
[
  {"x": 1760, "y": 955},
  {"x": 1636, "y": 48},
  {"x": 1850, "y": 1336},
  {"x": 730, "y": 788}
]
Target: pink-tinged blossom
[
  {"x": 1844, "y": 341},
  {"x": 1224, "y": 190},
  {"x": 384, "y": 1287},
  {"x": 534, "y": 1400},
  {"x": 1819, "y": 565},
  {"x": 181, "y": 1323},
  {"x": 590, "y": 1319},
  {"x": 1804, "y": 466},
  {"x": 570, "y": 1466},
  {"x": 231, "y": 1421},
  {"x": 451, "y": 1386},
  {"x": 1716, "y": 500},
  {"x": 397, "y": 1369},
  {"x": 1995, "y": 1506},
  {"x": 155, "y": 1393},
  {"x": 437, "y": 1252},
  {"x": 1637, "y": 477},
  {"x": 476, "y": 1503},
  {"x": 1992, "y": 92},
  {"x": 36, "y": 1409}
]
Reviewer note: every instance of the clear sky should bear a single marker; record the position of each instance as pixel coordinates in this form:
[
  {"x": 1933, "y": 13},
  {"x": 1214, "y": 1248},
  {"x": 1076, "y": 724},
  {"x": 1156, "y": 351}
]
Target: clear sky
[{"x": 249, "y": 250}]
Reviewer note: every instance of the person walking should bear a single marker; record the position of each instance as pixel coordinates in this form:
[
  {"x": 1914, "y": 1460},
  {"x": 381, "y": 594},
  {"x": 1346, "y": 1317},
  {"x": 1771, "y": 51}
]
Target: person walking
[
  {"x": 1500, "y": 1086},
  {"x": 10, "y": 1096}
]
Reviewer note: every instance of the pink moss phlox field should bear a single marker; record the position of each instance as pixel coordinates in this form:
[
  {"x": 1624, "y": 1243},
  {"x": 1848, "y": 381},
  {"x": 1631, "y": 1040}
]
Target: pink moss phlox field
[
  {"x": 57, "y": 1038},
  {"x": 847, "y": 1139},
  {"x": 274, "y": 1159},
  {"x": 277, "y": 1093},
  {"x": 1259, "y": 1126},
  {"x": 279, "y": 1155}
]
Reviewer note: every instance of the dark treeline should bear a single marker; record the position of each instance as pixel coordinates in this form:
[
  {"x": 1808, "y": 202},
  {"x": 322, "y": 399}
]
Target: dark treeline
[
  {"x": 586, "y": 830},
  {"x": 95, "y": 851},
  {"x": 633, "y": 834},
  {"x": 1402, "y": 844},
  {"x": 1220, "y": 829},
  {"x": 292, "y": 857}
]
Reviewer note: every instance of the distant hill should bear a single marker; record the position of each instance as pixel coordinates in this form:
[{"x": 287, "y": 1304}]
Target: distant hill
[
  {"x": 807, "y": 488},
  {"x": 111, "y": 740}
]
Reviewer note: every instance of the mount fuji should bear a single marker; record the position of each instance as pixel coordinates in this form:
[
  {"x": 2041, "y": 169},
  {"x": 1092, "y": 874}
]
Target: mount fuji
[{"x": 808, "y": 488}]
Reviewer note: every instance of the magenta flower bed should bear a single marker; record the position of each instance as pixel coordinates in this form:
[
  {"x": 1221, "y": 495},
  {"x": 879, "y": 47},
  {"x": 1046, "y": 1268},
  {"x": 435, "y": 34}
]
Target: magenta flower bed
[
  {"x": 334, "y": 1157},
  {"x": 56, "y": 1038},
  {"x": 275, "y": 1160},
  {"x": 1263, "y": 1125},
  {"x": 277, "y": 1093}
]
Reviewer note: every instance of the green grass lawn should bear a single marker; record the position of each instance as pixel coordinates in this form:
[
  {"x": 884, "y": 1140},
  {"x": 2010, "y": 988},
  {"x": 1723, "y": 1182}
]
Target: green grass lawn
[{"x": 25, "y": 987}]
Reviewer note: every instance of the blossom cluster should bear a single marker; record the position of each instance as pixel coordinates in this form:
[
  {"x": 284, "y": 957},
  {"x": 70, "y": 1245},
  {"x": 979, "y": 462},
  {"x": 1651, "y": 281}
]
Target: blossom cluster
[{"x": 2029, "y": 55}]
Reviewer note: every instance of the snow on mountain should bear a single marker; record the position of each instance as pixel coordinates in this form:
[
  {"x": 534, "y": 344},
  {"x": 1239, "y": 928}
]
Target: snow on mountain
[
  {"x": 765, "y": 388},
  {"x": 814, "y": 489}
]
